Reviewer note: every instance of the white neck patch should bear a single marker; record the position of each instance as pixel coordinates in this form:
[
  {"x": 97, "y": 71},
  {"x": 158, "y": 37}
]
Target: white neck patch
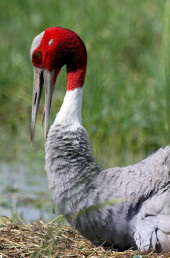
[
  {"x": 36, "y": 42},
  {"x": 70, "y": 111}
]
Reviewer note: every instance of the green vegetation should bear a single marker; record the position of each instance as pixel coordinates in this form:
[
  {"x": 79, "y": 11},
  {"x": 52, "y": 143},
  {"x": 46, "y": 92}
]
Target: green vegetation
[{"x": 124, "y": 108}]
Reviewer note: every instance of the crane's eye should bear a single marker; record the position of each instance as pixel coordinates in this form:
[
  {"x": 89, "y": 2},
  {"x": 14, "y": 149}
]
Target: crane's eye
[{"x": 37, "y": 56}]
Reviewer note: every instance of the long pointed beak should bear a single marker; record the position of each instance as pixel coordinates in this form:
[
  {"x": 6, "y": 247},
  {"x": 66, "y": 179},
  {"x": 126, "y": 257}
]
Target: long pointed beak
[
  {"x": 49, "y": 87},
  {"x": 37, "y": 91},
  {"x": 42, "y": 76}
]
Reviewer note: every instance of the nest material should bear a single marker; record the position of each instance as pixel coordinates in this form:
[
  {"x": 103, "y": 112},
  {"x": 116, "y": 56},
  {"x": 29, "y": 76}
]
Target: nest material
[{"x": 52, "y": 239}]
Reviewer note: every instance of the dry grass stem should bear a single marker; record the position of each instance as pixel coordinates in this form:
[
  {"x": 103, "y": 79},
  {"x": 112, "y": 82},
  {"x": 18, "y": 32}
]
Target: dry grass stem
[{"x": 52, "y": 239}]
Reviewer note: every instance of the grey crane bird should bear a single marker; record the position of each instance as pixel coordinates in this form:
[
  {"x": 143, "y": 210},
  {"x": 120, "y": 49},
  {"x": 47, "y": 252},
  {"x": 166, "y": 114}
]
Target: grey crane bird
[{"x": 121, "y": 207}]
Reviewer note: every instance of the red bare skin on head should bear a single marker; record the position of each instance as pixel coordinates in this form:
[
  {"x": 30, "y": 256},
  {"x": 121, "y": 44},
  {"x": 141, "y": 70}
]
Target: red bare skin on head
[{"x": 59, "y": 47}]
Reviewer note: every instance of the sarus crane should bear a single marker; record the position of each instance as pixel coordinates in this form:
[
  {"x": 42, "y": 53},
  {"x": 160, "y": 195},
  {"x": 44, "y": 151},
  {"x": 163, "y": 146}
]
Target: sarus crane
[{"x": 119, "y": 208}]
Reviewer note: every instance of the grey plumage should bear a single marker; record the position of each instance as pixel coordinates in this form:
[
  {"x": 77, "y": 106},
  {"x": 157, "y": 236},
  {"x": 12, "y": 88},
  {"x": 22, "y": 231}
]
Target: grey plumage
[{"x": 119, "y": 207}]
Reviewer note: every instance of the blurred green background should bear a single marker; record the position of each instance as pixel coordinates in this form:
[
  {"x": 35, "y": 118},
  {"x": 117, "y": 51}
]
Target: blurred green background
[{"x": 124, "y": 108}]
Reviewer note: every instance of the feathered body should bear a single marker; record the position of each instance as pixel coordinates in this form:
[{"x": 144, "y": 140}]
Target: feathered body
[
  {"x": 122, "y": 207},
  {"x": 111, "y": 207}
]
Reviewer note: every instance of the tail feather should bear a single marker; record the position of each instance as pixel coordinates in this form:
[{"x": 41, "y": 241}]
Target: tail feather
[
  {"x": 163, "y": 243},
  {"x": 163, "y": 233},
  {"x": 153, "y": 232}
]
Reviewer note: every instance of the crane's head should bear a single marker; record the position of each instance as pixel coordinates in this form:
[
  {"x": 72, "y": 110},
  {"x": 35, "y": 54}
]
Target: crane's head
[{"x": 50, "y": 50}]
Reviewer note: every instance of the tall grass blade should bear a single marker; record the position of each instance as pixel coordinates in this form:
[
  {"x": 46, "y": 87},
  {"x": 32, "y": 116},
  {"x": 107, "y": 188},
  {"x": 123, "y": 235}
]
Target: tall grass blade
[{"x": 166, "y": 59}]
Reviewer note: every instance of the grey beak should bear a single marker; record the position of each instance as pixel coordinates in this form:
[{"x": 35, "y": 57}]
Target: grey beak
[
  {"x": 49, "y": 87},
  {"x": 42, "y": 76}
]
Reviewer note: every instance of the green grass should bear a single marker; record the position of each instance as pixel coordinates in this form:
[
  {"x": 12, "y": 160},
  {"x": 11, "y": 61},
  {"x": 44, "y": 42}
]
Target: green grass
[
  {"x": 124, "y": 108},
  {"x": 166, "y": 55}
]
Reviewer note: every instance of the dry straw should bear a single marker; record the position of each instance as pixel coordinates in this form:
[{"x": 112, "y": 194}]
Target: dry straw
[{"x": 53, "y": 239}]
